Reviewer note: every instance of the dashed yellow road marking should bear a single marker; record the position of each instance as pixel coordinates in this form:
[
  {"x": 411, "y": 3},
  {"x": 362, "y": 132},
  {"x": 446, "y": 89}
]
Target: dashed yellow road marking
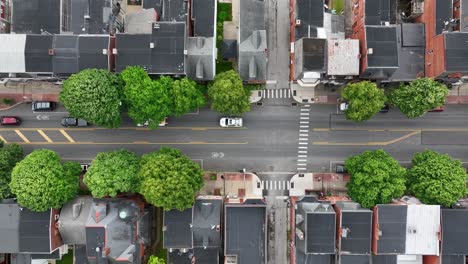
[
  {"x": 383, "y": 143},
  {"x": 44, "y": 136},
  {"x": 132, "y": 143},
  {"x": 3, "y": 139},
  {"x": 67, "y": 136},
  {"x": 22, "y": 136}
]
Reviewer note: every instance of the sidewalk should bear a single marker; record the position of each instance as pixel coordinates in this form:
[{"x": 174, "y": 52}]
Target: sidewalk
[
  {"x": 30, "y": 91},
  {"x": 232, "y": 184}
]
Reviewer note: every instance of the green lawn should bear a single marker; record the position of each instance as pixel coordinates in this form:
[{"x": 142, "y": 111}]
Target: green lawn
[
  {"x": 67, "y": 258},
  {"x": 338, "y": 5},
  {"x": 224, "y": 14}
]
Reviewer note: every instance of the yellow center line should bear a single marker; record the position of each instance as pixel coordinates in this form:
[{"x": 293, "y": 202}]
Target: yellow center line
[
  {"x": 44, "y": 136},
  {"x": 67, "y": 136},
  {"x": 122, "y": 128},
  {"x": 3, "y": 139},
  {"x": 131, "y": 143},
  {"x": 383, "y": 143},
  {"x": 21, "y": 136}
]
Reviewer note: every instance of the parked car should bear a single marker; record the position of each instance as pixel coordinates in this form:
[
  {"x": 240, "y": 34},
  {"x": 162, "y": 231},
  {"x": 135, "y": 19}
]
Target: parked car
[
  {"x": 146, "y": 123},
  {"x": 73, "y": 122},
  {"x": 43, "y": 106},
  {"x": 344, "y": 106},
  {"x": 385, "y": 108},
  {"x": 438, "y": 109},
  {"x": 10, "y": 120},
  {"x": 231, "y": 122},
  {"x": 340, "y": 168}
]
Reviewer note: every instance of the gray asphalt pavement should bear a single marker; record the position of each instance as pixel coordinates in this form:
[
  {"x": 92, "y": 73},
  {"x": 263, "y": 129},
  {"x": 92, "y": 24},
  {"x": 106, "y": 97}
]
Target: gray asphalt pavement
[{"x": 268, "y": 142}]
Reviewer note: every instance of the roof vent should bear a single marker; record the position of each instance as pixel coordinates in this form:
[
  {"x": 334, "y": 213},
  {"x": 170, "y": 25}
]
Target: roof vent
[
  {"x": 156, "y": 26},
  {"x": 87, "y": 16},
  {"x": 345, "y": 232},
  {"x": 152, "y": 45},
  {"x": 104, "y": 51},
  {"x": 199, "y": 70},
  {"x": 298, "y": 22},
  {"x": 51, "y": 52},
  {"x": 299, "y": 234},
  {"x": 370, "y": 51},
  {"x": 76, "y": 209},
  {"x": 114, "y": 51}
]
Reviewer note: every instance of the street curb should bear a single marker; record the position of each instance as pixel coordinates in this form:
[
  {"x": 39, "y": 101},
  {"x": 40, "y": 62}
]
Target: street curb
[{"x": 10, "y": 107}]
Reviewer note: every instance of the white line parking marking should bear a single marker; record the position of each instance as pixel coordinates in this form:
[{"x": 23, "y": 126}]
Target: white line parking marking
[{"x": 307, "y": 105}]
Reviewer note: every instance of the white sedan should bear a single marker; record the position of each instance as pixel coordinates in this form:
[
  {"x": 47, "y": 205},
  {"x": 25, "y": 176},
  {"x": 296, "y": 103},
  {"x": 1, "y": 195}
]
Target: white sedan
[{"x": 230, "y": 122}]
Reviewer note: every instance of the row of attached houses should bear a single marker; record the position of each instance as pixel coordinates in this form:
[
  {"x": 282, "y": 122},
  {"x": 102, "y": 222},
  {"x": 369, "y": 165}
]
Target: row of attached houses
[
  {"x": 403, "y": 233},
  {"x": 231, "y": 231},
  {"x": 62, "y": 37},
  {"x": 116, "y": 230}
]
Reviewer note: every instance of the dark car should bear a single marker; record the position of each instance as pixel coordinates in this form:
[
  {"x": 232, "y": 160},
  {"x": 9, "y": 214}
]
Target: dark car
[
  {"x": 385, "y": 108},
  {"x": 10, "y": 120},
  {"x": 43, "y": 106},
  {"x": 340, "y": 168},
  {"x": 73, "y": 122}
]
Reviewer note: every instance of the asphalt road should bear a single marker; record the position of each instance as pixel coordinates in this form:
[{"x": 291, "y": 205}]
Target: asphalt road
[{"x": 268, "y": 144}]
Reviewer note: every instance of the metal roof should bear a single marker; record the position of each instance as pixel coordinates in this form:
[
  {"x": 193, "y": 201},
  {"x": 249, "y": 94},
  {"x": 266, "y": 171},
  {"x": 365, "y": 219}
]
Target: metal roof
[
  {"x": 133, "y": 50},
  {"x": 392, "y": 229},
  {"x": 412, "y": 35},
  {"x": 456, "y": 52},
  {"x": 454, "y": 231},
  {"x": 229, "y": 49},
  {"x": 174, "y": 10},
  {"x": 12, "y": 53},
  {"x": 208, "y": 256},
  {"x": 99, "y": 12},
  {"x": 9, "y": 228},
  {"x": 90, "y": 51},
  {"x": 34, "y": 17},
  {"x": 207, "y": 223},
  {"x": 311, "y": 15},
  {"x": 320, "y": 231},
  {"x": 422, "y": 236},
  {"x": 343, "y": 57},
  {"x": 314, "y": 53},
  {"x": 156, "y": 4},
  {"x": 37, "y": 58},
  {"x": 245, "y": 232},
  {"x": 177, "y": 230},
  {"x": 453, "y": 259},
  {"x": 382, "y": 41},
  {"x": 380, "y": 11},
  {"x": 65, "y": 59},
  {"x": 203, "y": 16},
  {"x": 443, "y": 13},
  {"x": 356, "y": 228},
  {"x": 252, "y": 18}
]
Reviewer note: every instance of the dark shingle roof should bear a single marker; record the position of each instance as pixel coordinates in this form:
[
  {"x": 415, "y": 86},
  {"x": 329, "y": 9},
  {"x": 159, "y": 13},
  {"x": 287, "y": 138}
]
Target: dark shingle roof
[
  {"x": 443, "y": 13},
  {"x": 174, "y": 10},
  {"x": 456, "y": 52},
  {"x": 383, "y": 42},
  {"x": 454, "y": 231},
  {"x": 37, "y": 58},
  {"x": 358, "y": 226},
  {"x": 207, "y": 223},
  {"x": 203, "y": 12},
  {"x": 177, "y": 229},
  {"x": 33, "y": 16},
  {"x": 355, "y": 259},
  {"x": 379, "y": 11},
  {"x": 310, "y": 13},
  {"x": 392, "y": 229}
]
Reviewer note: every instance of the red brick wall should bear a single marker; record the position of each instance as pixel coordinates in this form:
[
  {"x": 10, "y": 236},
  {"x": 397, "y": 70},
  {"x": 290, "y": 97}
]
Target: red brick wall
[
  {"x": 359, "y": 31},
  {"x": 375, "y": 229}
]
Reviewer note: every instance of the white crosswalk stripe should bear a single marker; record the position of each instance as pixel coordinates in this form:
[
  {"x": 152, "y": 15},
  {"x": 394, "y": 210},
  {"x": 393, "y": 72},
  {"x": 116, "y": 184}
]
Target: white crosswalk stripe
[
  {"x": 275, "y": 185},
  {"x": 276, "y": 93}
]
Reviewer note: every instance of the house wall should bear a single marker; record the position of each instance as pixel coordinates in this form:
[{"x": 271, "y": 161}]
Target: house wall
[
  {"x": 359, "y": 32},
  {"x": 55, "y": 238},
  {"x": 338, "y": 228},
  {"x": 437, "y": 57},
  {"x": 375, "y": 229}
]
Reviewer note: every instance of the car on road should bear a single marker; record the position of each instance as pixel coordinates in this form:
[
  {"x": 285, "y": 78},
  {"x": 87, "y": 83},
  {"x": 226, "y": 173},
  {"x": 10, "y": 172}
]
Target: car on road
[
  {"x": 231, "y": 122},
  {"x": 40, "y": 106},
  {"x": 344, "y": 106},
  {"x": 10, "y": 120},
  {"x": 385, "y": 108},
  {"x": 438, "y": 109},
  {"x": 73, "y": 122},
  {"x": 146, "y": 123}
]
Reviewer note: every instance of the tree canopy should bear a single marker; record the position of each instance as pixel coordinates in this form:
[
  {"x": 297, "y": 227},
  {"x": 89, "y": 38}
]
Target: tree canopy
[
  {"x": 418, "y": 97},
  {"x": 94, "y": 95},
  {"x": 113, "y": 172},
  {"x": 376, "y": 178},
  {"x": 186, "y": 95},
  {"x": 170, "y": 179},
  {"x": 9, "y": 156},
  {"x": 41, "y": 182},
  {"x": 228, "y": 95},
  {"x": 156, "y": 260},
  {"x": 364, "y": 100},
  {"x": 436, "y": 178}
]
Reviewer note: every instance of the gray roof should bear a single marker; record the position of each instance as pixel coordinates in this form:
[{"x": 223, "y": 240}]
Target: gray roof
[
  {"x": 382, "y": 41},
  {"x": 99, "y": 12},
  {"x": 90, "y": 50},
  {"x": 203, "y": 16},
  {"x": 65, "y": 59},
  {"x": 20, "y": 259},
  {"x": 311, "y": 56},
  {"x": 252, "y": 57},
  {"x": 443, "y": 13},
  {"x": 140, "y": 22},
  {"x": 156, "y": 4},
  {"x": 207, "y": 223},
  {"x": 456, "y": 52},
  {"x": 72, "y": 220},
  {"x": 37, "y": 58},
  {"x": 392, "y": 229},
  {"x": 356, "y": 226},
  {"x": 454, "y": 231},
  {"x": 167, "y": 56},
  {"x": 379, "y": 11},
  {"x": 207, "y": 256},
  {"x": 27, "y": 231},
  {"x": 315, "y": 259},
  {"x": 174, "y": 10},
  {"x": 384, "y": 259},
  {"x": 464, "y": 16},
  {"x": 355, "y": 259},
  {"x": 412, "y": 35},
  {"x": 245, "y": 232},
  {"x": 177, "y": 229},
  {"x": 252, "y": 18},
  {"x": 311, "y": 14},
  {"x": 318, "y": 226},
  {"x": 201, "y": 58},
  {"x": 453, "y": 259},
  {"x": 33, "y": 16},
  {"x": 229, "y": 49}
]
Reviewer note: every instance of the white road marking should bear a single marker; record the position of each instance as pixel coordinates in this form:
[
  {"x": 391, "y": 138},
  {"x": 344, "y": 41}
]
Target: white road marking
[
  {"x": 304, "y": 118},
  {"x": 305, "y": 113},
  {"x": 304, "y": 122},
  {"x": 305, "y": 110},
  {"x": 302, "y": 151},
  {"x": 289, "y": 93},
  {"x": 301, "y": 164},
  {"x": 307, "y": 105},
  {"x": 303, "y": 139},
  {"x": 301, "y": 169},
  {"x": 280, "y": 93},
  {"x": 302, "y": 156},
  {"x": 301, "y": 160},
  {"x": 303, "y": 135},
  {"x": 300, "y": 147},
  {"x": 303, "y": 143}
]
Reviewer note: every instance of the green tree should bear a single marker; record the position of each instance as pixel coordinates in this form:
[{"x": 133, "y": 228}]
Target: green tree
[
  {"x": 156, "y": 260},
  {"x": 418, "y": 97},
  {"x": 436, "y": 178},
  {"x": 228, "y": 95},
  {"x": 186, "y": 96},
  {"x": 147, "y": 100},
  {"x": 113, "y": 172},
  {"x": 170, "y": 179},
  {"x": 364, "y": 100},
  {"x": 376, "y": 178},
  {"x": 41, "y": 182},
  {"x": 94, "y": 95},
  {"x": 9, "y": 156}
]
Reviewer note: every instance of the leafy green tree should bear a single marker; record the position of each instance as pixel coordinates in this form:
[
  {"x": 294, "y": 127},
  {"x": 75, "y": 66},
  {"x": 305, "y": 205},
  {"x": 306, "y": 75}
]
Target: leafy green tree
[
  {"x": 41, "y": 182},
  {"x": 228, "y": 95},
  {"x": 113, "y": 172},
  {"x": 9, "y": 156},
  {"x": 187, "y": 96},
  {"x": 418, "y": 97},
  {"x": 94, "y": 95},
  {"x": 170, "y": 179},
  {"x": 376, "y": 178},
  {"x": 147, "y": 100},
  {"x": 436, "y": 178},
  {"x": 156, "y": 260},
  {"x": 364, "y": 100}
]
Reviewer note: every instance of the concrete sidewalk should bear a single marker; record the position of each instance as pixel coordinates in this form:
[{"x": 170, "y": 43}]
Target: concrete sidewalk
[{"x": 30, "y": 91}]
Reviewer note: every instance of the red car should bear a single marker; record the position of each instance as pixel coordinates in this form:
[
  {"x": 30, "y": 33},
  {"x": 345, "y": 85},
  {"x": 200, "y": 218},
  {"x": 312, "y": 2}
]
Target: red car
[
  {"x": 9, "y": 120},
  {"x": 438, "y": 109}
]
